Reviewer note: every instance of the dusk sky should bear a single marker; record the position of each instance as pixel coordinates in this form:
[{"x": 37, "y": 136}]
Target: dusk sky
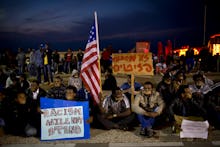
[{"x": 66, "y": 23}]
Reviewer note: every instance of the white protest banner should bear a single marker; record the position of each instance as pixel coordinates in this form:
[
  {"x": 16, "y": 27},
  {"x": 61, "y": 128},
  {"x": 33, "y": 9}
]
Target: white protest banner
[
  {"x": 62, "y": 119},
  {"x": 194, "y": 129}
]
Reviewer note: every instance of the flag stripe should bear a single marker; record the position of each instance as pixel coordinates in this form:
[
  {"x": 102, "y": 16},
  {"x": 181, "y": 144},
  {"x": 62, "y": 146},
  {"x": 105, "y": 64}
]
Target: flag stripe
[
  {"x": 90, "y": 67},
  {"x": 87, "y": 78},
  {"x": 89, "y": 57}
]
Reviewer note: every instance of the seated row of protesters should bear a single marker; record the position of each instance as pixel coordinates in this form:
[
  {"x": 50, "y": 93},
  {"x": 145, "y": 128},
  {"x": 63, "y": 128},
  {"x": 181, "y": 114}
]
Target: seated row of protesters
[
  {"x": 173, "y": 98},
  {"x": 23, "y": 111}
]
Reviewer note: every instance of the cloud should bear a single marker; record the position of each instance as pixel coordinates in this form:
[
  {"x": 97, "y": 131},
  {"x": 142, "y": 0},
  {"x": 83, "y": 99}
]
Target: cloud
[{"x": 147, "y": 34}]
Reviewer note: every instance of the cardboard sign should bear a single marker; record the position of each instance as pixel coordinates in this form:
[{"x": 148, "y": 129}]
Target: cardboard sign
[
  {"x": 142, "y": 47},
  {"x": 63, "y": 120},
  {"x": 194, "y": 129},
  {"x": 132, "y": 63}
]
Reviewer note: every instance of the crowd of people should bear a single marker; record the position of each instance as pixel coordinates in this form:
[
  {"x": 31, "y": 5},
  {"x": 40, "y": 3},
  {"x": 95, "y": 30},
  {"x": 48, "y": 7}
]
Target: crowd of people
[{"x": 167, "y": 103}]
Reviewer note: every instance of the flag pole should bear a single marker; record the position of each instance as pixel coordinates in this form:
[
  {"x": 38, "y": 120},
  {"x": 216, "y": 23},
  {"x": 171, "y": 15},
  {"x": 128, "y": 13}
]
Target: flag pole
[{"x": 97, "y": 39}]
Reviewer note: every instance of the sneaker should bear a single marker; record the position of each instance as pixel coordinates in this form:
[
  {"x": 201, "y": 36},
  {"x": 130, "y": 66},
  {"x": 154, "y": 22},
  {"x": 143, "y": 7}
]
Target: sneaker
[
  {"x": 123, "y": 127},
  {"x": 149, "y": 133},
  {"x": 173, "y": 128},
  {"x": 143, "y": 132}
]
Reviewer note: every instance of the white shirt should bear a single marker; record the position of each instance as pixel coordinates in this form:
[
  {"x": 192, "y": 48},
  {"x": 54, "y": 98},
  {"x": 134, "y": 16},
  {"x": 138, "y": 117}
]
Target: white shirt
[{"x": 35, "y": 94}]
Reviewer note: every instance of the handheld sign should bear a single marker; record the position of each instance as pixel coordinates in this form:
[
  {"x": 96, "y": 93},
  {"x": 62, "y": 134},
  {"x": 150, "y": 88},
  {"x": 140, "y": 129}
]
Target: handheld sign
[
  {"x": 132, "y": 63},
  {"x": 63, "y": 119}
]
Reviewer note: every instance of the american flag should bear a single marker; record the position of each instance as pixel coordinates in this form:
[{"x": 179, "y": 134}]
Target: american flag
[{"x": 90, "y": 73}]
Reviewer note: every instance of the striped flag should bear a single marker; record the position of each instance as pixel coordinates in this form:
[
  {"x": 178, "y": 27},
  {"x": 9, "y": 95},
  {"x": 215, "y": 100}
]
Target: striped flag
[{"x": 90, "y": 73}]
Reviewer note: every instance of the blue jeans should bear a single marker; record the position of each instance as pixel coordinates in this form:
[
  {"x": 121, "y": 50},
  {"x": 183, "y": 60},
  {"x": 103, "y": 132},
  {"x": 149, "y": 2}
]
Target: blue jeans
[
  {"x": 47, "y": 73},
  {"x": 39, "y": 68},
  {"x": 145, "y": 121},
  {"x": 79, "y": 63},
  {"x": 21, "y": 68},
  {"x": 67, "y": 67}
]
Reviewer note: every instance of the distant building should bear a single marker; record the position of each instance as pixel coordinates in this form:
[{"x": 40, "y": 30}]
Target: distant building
[
  {"x": 214, "y": 44},
  {"x": 182, "y": 51}
]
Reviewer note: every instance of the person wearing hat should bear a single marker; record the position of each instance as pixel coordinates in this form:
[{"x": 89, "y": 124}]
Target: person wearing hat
[{"x": 75, "y": 80}]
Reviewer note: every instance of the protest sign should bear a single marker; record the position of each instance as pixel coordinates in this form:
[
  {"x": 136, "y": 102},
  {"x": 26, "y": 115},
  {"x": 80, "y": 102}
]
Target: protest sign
[
  {"x": 132, "y": 63},
  {"x": 142, "y": 47},
  {"x": 62, "y": 119},
  {"x": 194, "y": 129}
]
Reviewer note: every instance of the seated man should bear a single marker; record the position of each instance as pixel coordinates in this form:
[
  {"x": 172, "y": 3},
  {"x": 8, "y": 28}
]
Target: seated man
[
  {"x": 18, "y": 117},
  {"x": 34, "y": 93},
  {"x": 199, "y": 88},
  {"x": 115, "y": 112},
  {"x": 110, "y": 80},
  {"x": 75, "y": 80},
  {"x": 127, "y": 87},
  {"x": 58, "y": 90},
  {"x": 164, "y": 87},
  {"x": 208, "y": 81},
  {"x": 148, "y": 105},
  {"x": 72, "y": 95},
  {"x": 212, "y": 106},
  {"x": 184, "y": 107}
]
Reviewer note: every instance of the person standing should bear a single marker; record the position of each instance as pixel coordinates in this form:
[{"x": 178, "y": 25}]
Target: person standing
[
  {"x": 105, "y": 59},
  {"x": 56, "y": 60},
  {"x": 68, "y": 59},
  {"x": 190, "y": 59},
  {"x": 80, "y": 55},
  {"x": 47, "y": 57},
  {"x": 21, "y": 57},
  {"x": 32, "y": 67},
  {"x": 38, "y": 62}
]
